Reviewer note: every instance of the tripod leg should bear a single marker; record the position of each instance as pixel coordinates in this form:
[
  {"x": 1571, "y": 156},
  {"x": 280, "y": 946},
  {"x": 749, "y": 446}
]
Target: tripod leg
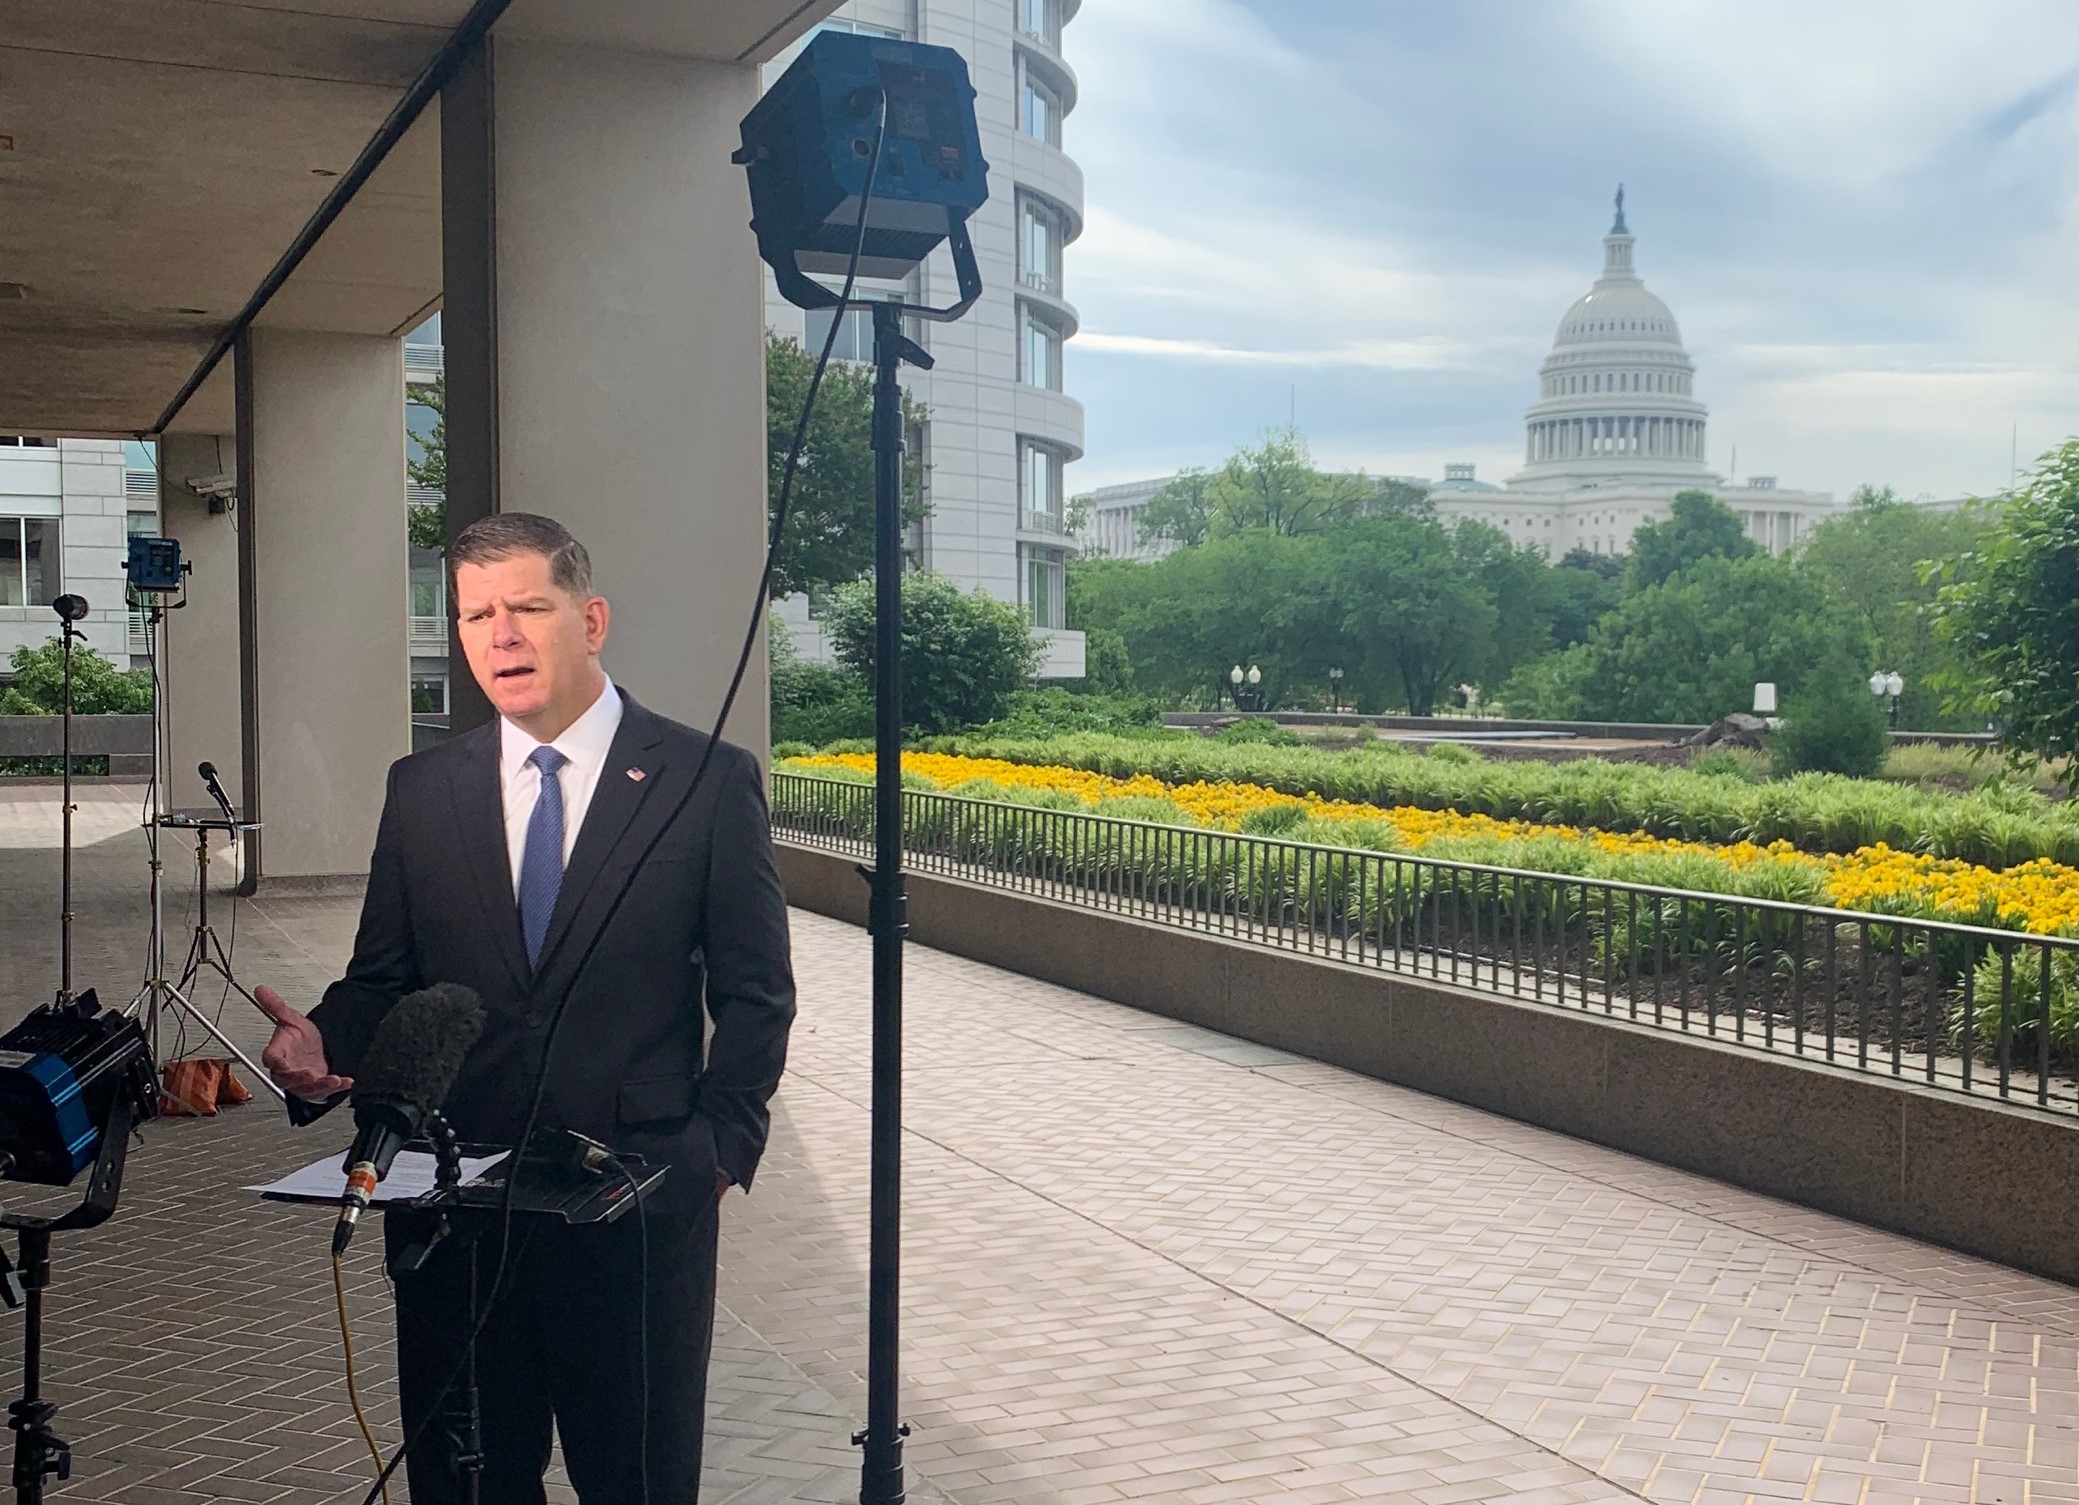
[{"x": 38, "y": 1453}]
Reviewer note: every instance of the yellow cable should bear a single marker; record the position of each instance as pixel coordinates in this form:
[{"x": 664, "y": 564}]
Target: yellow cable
[{"x": 346, "y": 1339}]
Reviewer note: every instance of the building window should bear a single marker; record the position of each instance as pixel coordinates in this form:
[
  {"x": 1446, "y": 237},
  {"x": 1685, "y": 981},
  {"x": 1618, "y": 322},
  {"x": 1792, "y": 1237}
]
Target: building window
[
  {"x": 429, "y": 694},
  {"x": 1039, "y": 359},
  {"x": 428, "y": 576},
  {"x": 1039, "y": 245},
  {"x": 1039, "y": 487},
  {"x": 1041, "y": 582},
  {"x": 1042, "y": 19},
  {"x": 28, "y": 561},
  {"x": 855, "y": 330},
  {"x": 16, "y": 441},
  {"x": 862, "y": 29},
  {"x": 1039, "y": 112}
]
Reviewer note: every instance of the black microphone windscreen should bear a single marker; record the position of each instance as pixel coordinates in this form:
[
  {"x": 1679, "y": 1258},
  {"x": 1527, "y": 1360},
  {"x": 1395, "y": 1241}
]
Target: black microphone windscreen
[
  {"x": 206, "y": 770},
  {"x": 417, "y": 1050}
]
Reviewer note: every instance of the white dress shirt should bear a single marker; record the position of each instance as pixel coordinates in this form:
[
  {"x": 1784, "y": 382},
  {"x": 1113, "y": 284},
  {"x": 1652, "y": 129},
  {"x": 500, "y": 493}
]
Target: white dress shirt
[{"x": 585, "y": 743}]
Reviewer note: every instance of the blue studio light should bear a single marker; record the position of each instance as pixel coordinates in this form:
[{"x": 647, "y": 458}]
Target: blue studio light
[{"x": 808, "y": 145}]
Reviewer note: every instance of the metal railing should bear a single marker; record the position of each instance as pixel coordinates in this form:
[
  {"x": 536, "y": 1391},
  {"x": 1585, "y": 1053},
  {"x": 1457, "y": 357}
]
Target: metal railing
[
  {"x": 1042, "y": 522},
  {"x": 1989, "y": 1013},
  {"x": 428, "y": 636}
]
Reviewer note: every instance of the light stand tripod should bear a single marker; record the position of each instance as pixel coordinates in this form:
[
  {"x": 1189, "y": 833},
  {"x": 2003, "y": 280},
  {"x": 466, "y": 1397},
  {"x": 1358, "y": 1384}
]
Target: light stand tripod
[{"x": 205, "y": 950}]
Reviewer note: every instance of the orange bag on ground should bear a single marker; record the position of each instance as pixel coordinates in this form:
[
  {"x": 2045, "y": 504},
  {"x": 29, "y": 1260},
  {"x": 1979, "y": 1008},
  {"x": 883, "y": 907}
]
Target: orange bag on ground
[{"x": 195, "y": 1087}]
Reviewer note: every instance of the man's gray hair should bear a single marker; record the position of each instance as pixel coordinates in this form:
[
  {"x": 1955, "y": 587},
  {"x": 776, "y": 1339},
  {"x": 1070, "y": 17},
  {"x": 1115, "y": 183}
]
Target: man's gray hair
[{"x": 504, "y": 534}]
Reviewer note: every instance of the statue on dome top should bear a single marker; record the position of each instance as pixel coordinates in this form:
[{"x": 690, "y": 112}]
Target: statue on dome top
[{"x": 1618, "y": 228}]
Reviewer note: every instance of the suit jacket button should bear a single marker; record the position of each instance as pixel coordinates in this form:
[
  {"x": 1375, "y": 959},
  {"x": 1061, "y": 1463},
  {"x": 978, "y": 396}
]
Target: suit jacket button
[{"x": 536, "y": 1020}]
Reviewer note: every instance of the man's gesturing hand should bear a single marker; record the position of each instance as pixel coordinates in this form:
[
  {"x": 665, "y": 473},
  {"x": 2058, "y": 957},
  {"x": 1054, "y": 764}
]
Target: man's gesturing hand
[{"x": 295, "y": 1057}]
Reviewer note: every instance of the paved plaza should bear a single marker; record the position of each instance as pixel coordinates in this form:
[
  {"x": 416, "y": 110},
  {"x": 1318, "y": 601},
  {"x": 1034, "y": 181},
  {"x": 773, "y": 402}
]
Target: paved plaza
[{"x": 1144, "y": 1262}]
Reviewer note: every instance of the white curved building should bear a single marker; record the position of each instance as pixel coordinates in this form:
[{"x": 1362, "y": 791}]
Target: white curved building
[
  {"x": 1617, "y": 430},
  {"x": 1002, "y": 430}
]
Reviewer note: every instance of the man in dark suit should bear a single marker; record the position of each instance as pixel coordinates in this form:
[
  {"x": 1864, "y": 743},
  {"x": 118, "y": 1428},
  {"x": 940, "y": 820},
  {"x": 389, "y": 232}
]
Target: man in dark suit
[{"x": 498, "y": 858}]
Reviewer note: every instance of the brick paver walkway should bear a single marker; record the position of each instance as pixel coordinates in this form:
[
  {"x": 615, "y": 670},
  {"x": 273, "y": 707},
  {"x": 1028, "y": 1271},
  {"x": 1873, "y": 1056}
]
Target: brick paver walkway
[{"x": 1144, "y": 1262}]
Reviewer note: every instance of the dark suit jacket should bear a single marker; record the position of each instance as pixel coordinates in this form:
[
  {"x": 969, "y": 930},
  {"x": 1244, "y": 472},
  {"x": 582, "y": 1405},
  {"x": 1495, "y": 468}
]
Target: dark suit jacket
[{"x": 701, "y": 919}]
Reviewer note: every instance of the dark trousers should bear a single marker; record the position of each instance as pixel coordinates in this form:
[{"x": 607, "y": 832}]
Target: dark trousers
[{"x": 563, "y": 1347}]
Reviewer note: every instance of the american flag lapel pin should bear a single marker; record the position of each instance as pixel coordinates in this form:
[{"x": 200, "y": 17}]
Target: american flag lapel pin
[{"x": 635, "y": 775}]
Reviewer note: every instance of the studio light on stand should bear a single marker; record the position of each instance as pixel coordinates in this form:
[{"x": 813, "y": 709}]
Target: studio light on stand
[
  {"x": 74, "y": 1081},
  {"x": 157, "y": 580},
  {"x": 863, "y": 158}
]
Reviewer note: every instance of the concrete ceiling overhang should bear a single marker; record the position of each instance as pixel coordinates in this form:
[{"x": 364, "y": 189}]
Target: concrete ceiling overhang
[{"x": 157, "y": 157}]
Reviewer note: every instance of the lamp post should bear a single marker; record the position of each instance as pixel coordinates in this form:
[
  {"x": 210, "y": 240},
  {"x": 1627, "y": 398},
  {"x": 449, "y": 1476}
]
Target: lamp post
[
  {"x": 1335, "y": 689},
  {"x": 1887, "y": 682},
  {"x": 1255, "y": 688},
  {"x": 1234, "y": 680}
]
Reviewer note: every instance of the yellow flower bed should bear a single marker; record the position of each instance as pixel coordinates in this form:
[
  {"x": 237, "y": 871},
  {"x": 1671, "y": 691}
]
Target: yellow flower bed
[{"x": 2040, "y": 896}]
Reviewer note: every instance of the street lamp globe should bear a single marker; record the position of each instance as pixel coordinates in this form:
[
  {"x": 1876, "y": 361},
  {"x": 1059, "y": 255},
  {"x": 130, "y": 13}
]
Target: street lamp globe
[
  {"x": 1877, "y": 683},
  {"x": 1894, "y": 685},
  {"x": 1234, "y": 675},
  {"x": 1255, "y": 676}
]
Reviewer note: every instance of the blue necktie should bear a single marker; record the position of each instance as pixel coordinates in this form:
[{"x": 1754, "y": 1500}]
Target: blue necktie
[{"x": 541, "y": 860}]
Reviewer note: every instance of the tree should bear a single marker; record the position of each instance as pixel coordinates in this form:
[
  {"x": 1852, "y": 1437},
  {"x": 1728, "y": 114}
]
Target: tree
[
  {"x": 1698, "y": 527},
  {"x": 1181, "y": 511},
  {"x": 1693, "y": 648},
  {"x": 1420, "y": 619},
  {"x": 829, "y": 533},
  {"x": 1588, "y": 562},
  {"x": 1276, "y": 487},
  {"x": 2010, "y": 612},
  {"x": 1870, "y": 497},
  {"x": 965, "y": 654},
  {"x": 1881, "y": 561},
  {"x": 99, "y": 688},
  {"x": 426, "y": 463}
]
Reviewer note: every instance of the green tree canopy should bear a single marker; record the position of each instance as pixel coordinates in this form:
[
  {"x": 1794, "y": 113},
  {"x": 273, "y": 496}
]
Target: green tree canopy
[
  {"x": 99, "y": 688},
  {"x": 1406, "y": 607},
  {"x": 965, "y": 654},
  {"x": 426, "y": 464},
  {"x": 1182, "y": 511},
  {"x": 1883, "y": 562},
  {"x": 1698, "y": 526},
  {"x": 829, "y": 535},
  {"x": 1693, "y": 648},
  {"x": 2012, "y": 612},
  {"x": 1275, "y": 487}
]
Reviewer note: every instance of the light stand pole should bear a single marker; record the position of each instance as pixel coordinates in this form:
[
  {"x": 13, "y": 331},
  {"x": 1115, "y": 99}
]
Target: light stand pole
[
  {"x": 864, "y": 157},
  {"x": 881, "y": 1480}
]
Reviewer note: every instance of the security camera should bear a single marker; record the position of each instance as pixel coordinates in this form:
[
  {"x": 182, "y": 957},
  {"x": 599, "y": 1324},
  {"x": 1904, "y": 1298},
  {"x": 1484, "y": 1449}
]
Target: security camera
[{"x": 219, "y": 490}]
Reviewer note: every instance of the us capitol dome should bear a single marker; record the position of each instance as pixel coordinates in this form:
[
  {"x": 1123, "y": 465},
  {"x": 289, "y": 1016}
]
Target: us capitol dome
[{"x": 1616, "y": 431}]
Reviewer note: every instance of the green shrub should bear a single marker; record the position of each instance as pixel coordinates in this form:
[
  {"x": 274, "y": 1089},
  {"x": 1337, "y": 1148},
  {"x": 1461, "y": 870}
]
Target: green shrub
[
  {"x": 1273, "y": 820},
  {"x": 1261, "y": 733},
  {"x": 1831, "y": 728},
  {"x": 1731, "y": 763},
  {"x": 1051, "y": 711},
  {"x": 1452, "y": 752}
]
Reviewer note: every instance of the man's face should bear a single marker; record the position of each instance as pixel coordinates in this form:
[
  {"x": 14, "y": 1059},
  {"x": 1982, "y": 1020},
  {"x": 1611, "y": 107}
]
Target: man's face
[{"x": 533, "y": 646}]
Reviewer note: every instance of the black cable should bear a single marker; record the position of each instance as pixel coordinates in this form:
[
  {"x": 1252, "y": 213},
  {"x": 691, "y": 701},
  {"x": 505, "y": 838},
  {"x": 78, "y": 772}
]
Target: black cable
[{"x": 743, "y": 659}]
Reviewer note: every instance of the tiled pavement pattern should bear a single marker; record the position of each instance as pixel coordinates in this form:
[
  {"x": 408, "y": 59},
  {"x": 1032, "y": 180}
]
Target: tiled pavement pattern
[{"x": 1143, "y": 1263}]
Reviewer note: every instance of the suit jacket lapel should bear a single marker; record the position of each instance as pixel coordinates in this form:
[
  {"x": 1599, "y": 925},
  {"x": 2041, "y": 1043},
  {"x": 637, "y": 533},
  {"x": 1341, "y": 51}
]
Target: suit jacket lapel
[
  {"x": 616, "y": 800},
  {"x": 480, "y": 811}
]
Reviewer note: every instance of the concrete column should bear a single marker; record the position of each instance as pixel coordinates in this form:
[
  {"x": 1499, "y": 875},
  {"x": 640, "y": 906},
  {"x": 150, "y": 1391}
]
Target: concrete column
[
  {"x": 628, "y": 349},
  {"x": 330, "y": 666},
  {"x": 198, "y": 667}
]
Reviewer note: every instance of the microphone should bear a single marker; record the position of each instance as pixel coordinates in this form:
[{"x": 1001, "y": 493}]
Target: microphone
[
  {"x": 410, "y": 1068},
  {"x": 216, "y": 789}
]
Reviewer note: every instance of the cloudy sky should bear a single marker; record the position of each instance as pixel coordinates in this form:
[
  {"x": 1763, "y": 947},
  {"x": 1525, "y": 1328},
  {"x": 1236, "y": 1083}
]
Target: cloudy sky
[{"x": 1373, "y": 213}]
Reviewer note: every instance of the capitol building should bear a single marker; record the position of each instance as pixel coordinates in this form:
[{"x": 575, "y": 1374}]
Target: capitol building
[{"x": 1616, "y": 431}]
